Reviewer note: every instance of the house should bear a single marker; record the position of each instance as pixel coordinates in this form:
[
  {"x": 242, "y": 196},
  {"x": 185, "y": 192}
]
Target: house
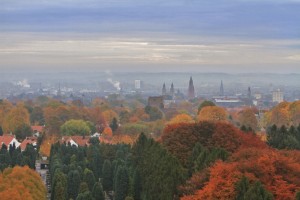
[
  {"x": 37, "y": 130},
  {"x": 9, "y": 140},
  {"x": 76, "y": 140},
  {"x": 28, "y": 140},
  {"x": 96, "y": 135}
]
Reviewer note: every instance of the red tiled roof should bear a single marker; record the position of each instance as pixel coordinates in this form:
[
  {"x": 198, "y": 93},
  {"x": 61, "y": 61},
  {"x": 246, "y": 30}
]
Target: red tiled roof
[
  {"x": 37, "y": 128},
  {"x": 80, "y": 140},
  {"x": 28, "y": 140},
  {"x": 6, "y": 139}
]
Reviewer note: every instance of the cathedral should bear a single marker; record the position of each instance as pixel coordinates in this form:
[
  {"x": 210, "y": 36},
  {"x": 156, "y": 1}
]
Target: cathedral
[{"x": 171, "y": 94}]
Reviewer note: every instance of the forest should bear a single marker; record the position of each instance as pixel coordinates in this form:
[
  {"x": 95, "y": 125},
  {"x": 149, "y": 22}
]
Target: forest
[{"x": 193, "y": 150}]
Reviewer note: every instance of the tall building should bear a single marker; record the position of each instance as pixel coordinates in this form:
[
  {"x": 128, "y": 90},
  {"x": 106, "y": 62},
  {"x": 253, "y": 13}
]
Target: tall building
[
  {"x": 164, "y": 90},
  {"x": 249, "y": 93},
  {"x": 191, "y": 90},
  {"x": 221, "y": 89},
  {"x": 137, "y": 84},
  {"x": 172, "y": 90},
  {"x": 277, "y": 96}
]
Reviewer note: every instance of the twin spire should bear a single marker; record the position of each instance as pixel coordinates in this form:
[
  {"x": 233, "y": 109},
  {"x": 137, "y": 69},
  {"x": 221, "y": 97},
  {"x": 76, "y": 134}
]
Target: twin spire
[{"x": 191, "y": 90}]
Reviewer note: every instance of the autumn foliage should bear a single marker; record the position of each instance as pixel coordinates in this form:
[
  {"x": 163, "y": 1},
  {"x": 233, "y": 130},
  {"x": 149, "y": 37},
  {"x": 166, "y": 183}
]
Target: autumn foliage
[
  {"x": 285, "y": 113},
  {"x": 21, "y": 183},
  {"x": 212, "y": 113},
  {"x": 181, "y": 118}
]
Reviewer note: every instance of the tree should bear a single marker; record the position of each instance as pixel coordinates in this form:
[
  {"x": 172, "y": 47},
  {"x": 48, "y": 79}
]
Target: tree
[
  {"x": 160, "y": 172},
  {"x": 1, "y": 131},
  {"x": 59, "y": 186},
  {"x": 212, "y": 113},
  {"x": 181, "y": 118},
  {"x": 137, "y": 185},
  {"x": 23, "y": 131},
  {"x": 21, "y": 183},
  {"x": 180, "y": 139},
  {"x": 247, "y": 191},
  {"x": 114, "y": 124},
  {"x": 247, "y": 118},
  {"x": 204, "y": 104},
  {"x": 154, "y": 113},
  {"x": 89, "y": 178},
  {"x": 107, "y": 132},
  {"x": 85, "y": 196},
  {"x": 107, "y": 179},
  {"x": 73, "y": 184},
  {"x": 257, "y": 191},
  {"x": 98, "y": 191},
  {"x": 37, "y": 116},
  {"x": 83, "y": 187},
  {"x": 15, "y": 119},
  {"x": 122, "y": 183},
  {"x": 75, "y": 127}
]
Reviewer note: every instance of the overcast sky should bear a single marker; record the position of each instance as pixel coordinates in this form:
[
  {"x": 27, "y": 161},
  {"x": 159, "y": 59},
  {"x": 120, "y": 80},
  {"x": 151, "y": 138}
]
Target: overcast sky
[{"x": 153, "y": 35}]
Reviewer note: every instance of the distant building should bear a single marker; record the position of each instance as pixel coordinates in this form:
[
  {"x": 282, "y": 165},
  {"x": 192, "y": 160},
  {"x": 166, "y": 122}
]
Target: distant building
[
  {"x": 28, "y": 140},
  {"x": 258, "y": 96},
  {"x": 156, "y": 101},
  {"x": 172, "y": 90},
  {"x": 249, "y": 95},
  {"x": 9, "y": 140},
  {"x": 76, "y": 140},
  {"x": 37, "y": 130},
  {"x": 277, "y": 96},
  {"x": 164, "y": 90},
  {"x": 229, "y": 102},
  {"x": 191, "y": 89},
  {"x": 221, "y": 89},
  {"x": 137, "y": 84}
]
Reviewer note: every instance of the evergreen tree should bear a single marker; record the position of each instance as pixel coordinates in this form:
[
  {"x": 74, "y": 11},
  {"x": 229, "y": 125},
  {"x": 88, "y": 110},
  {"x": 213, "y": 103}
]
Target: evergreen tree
[
  {"x": 107, "y": 180},
  {"x": 257, "y": 191},
  {"x": 98, "y": 191},
  {"x": 83, "y": 187},
  {"x": 85, "y": 196},
  {"x": 73, "y": 184},
  {"x": 137, "y": 186},
  {"x": 59, "y": 185},
  {"x": 122, "y": 184},
  {"x": 154, "y": 163},
  {"x": 298, "y": 195},
  {"x": 242, "y": 186},
  {"x": 204, "y": 104},
  {"x": 114, "y": 124},
  {"x": 89, "y": 178},
  {"x": 60, "y": 191},
  {"x": 247, "y": 191}
]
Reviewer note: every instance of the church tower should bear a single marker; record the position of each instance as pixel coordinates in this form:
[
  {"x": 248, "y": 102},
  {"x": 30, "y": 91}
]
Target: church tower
[
  {"x": 164, "y": 90},
  {"x": 191, "y": 90},
  {"x": 249, "y": 93},
  {"x": 172, "y": 90},
  {"x": 221, "y": 89}
]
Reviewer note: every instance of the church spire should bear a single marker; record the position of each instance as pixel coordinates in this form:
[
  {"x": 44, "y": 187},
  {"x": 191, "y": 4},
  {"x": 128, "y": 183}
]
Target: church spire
[
  {"x": 191, "y": 90},
  {"x": 221, "y": 89},
  {"x": 249, "y": 93},
  {"x": 172, "y": 90},
  {"x": 164, "y": 90}
]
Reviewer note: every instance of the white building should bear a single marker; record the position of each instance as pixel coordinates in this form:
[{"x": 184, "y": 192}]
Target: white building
[
  {"x": 277, "y": 96},
  {"x": 137, "y": 84},
  {"x": 9, "y": 140}
]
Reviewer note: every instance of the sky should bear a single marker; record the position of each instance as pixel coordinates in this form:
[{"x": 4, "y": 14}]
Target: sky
[{"x": 138, "y": 35}]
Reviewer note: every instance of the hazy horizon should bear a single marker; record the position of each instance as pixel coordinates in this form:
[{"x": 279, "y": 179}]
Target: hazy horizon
[{"x": 236, "y": 36}]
